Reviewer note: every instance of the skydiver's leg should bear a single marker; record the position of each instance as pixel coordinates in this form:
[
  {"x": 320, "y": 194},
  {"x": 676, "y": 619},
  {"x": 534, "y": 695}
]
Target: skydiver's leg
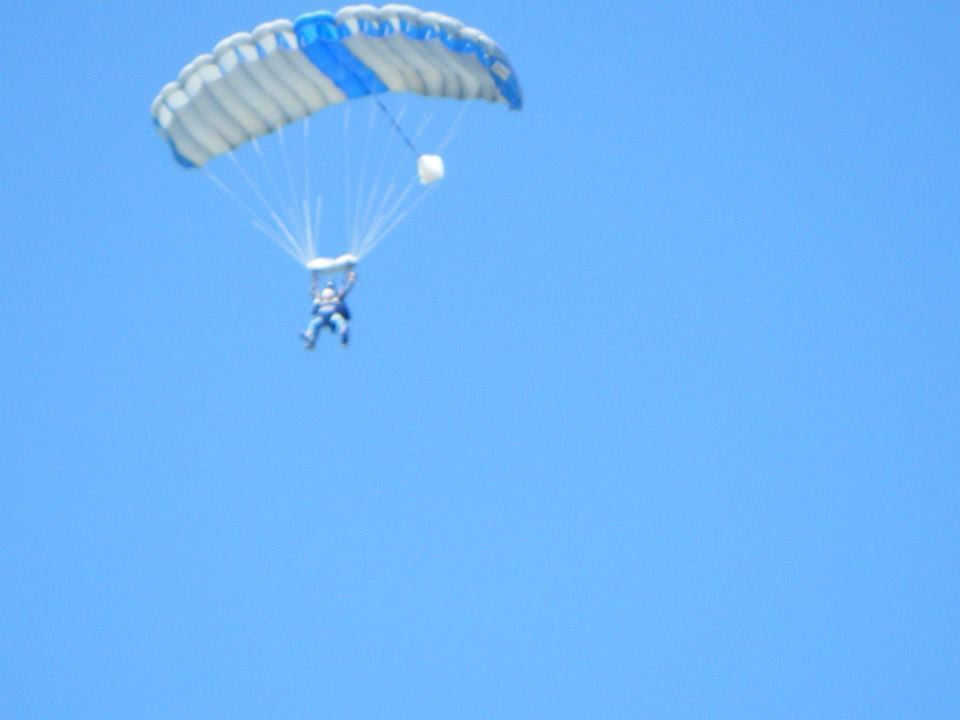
[
  {"x": 339, "y": 325},
  {"x": 310, "y": 335}
]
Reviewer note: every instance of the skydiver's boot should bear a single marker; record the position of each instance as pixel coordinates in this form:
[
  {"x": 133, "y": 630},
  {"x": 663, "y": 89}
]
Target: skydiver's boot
[
  {"x": 308, "y": 341},
  {"x": 344, "y": 339}
]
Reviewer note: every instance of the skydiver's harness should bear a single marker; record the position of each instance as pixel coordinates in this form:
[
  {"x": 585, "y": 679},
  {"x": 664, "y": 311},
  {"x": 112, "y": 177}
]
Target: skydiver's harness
[{"x": 326, "y": 309}]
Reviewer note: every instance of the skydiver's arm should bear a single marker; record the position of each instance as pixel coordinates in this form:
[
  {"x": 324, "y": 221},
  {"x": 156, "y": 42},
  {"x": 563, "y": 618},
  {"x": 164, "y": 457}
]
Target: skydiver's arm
[{"x": 351, "y": 279}]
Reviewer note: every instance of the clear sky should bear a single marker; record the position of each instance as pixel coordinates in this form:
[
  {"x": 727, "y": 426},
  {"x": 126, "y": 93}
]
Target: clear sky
[{"x": 651, "y": 410}]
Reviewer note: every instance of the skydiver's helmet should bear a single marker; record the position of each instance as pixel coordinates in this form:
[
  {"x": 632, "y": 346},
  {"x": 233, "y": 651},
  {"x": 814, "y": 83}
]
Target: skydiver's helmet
[{"x": 329, "y": 292}]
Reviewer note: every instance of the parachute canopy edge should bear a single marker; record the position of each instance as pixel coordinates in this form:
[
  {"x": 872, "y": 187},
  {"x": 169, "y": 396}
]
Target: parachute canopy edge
[{"x": 225, "y": 98}]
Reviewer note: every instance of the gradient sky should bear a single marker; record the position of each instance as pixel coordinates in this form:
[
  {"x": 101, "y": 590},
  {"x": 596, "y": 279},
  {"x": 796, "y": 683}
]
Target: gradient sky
[{"x": 651, "y": 409}]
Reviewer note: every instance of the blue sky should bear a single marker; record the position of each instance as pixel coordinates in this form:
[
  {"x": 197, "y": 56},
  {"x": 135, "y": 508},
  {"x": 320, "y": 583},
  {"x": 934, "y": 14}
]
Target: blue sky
[{"x": 651, "y": 409}]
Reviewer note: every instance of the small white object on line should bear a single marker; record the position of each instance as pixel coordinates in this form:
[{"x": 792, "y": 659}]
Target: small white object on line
[{"x": 429, "y": 168}]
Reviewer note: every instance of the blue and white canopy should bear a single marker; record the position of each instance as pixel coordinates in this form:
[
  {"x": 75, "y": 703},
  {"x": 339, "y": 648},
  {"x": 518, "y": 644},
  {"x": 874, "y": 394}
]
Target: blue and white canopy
[{"x": 254, "y": 83}]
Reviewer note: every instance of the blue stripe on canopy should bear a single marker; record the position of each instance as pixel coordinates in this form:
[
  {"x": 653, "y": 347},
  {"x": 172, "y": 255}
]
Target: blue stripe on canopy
[
  {"x": 509, "y": 88},
  {"x": 320, "y": 40}
]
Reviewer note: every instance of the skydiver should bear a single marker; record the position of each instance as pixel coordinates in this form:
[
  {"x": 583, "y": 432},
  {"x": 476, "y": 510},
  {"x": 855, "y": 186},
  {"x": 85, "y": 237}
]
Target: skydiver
[{"x": 329, "y": 310}]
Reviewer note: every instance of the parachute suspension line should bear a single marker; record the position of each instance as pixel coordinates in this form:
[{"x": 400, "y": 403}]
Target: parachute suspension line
[
  {"x": 427, "y": 119},
  {"x": 280, "y": 240},
  {"x": 374, "y": 193},
  {"x": 317, "y": 214},
  {"x": 277, "y": 220},
  {"x": 280, "y": 205},
  {"x": 389, "y": 214},
  {"x": 307, "y": 220},
  {"x": 384, "y": 215},
  {"x": 374, "y": 241},
  {"x": 294, "y": 195},
  {"x": 346, "y": 167},
  {"x": 376, "y": 232},
  {"x": 358, "y": 192},
  {"x": 377, "y": 218},
  {"x": 308, "y": 229},
  {"x": 454, "y": 127},
  {"x": 366, "y": 218},
  {"x": 285, "y": 211},
  {"x": 312, "y": 221}
]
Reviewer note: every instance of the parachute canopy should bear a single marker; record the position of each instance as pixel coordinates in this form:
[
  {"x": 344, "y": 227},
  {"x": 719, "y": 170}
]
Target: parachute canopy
[{"x": 253, "y": 84}]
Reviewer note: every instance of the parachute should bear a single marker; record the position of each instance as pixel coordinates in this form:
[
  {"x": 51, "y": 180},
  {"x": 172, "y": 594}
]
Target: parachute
[{"x": 254, "y": 86}]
